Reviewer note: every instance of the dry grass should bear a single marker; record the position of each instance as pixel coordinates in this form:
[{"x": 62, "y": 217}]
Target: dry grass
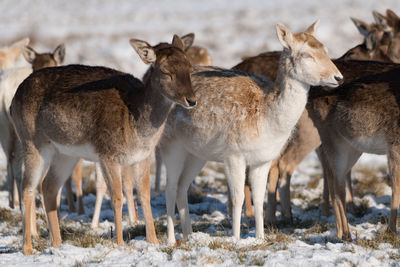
[
  {"x": 82, "y": 236},
  {"x": 370, "y": 181},
  {"x": 381, "y": 237}
]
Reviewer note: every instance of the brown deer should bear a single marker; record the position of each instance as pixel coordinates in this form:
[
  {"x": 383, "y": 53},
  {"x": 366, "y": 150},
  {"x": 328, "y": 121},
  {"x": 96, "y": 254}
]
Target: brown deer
[
  {"x": 62, "y": 114},
  {"x": 9, "y": 81},
  {"x": 360, "y": 116},
  {"x": 306, "y": 137},
  {"x": 241, "y": 119},
  {"x": 196, "y": 56}
]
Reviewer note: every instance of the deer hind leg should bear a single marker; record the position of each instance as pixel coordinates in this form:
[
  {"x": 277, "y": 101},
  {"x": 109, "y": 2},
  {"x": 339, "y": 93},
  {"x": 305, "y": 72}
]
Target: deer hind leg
[
  {"x": 101, "y": 189},
  {"x": 158, "y": 169},
  {"x": 394, "y": 169},
  {"x": 70, "y": 195},
  {"x": 77, "y": 178},
  {"x": 193, "y": 166},
  {"x": 174, "y": 159},
  {"x": 350, "y": 207},
  {"x": 258, "y": 179},
  {"x": 128, "y": 190},
  {"x": 324, "y": 207},
  {"x": 248, "y": 209},
  {"x": 36, "y": 165},
  {"x": 272, "y": 186},
  {"x": 60, "y": 170},
  {"x": 112, "y": 175},
  {"x": 141, "y": 174},
  {"x": 286, "y": 173},
  {"x": 339, "y": 163},
  {"x": 235, "y": 170}
]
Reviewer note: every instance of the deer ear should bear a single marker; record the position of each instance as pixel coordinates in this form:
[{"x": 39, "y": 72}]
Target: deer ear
[
  {"x": 381, "y": 21},
  {"x": 177, "y": 42},
  {"x": 361, "y": 26},
  {"x": 371, "y": 41},
  {"x": 59, "y": 54},
  {"x": 285, "y": 36},
  {"x": 29, "y": 54},
  {"x": 392, "y": 17},
  {"x": 187, "y": 40},
  {"x": 313, "y": 27},
  {"x": 144, "y": 50}
]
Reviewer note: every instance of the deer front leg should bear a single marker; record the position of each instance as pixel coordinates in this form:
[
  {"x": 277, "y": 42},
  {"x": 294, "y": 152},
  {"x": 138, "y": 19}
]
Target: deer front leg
[
  {"x": 193, "y": 166},
  {"x": 258, "y": 178},
  {"x": 141, "y": 174},
  {"x": 158, "y": 169},
  {"x": 235, "y": 170},
  {"x": 394, "y": 169},
  {"x": 112, "y": 175}
]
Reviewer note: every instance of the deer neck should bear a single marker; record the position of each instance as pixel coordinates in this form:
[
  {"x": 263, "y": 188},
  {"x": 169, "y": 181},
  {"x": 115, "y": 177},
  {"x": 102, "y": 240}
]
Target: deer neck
[
  {"x": 151, "y": 109},
  {"x": 289, "y": 104}
]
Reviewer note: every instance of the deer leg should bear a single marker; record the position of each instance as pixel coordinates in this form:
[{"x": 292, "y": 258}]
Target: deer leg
[
  {"x": 36, "y": 164},
  {"x": 349, "y": 194},
  {"x": 394, "y": 169},
  {"x": 101, "y": 189},
  {"x": 174, "y": 161},
  {"x": 70, "y": 195},
  {"x": 158, "y": 169},
  {"x": 258, "y": 179},
  {"x": 59, "y": 172},
  {"x": 77, "y": 178},
  {"x": 193, "y": 166},
  {"x": 112, "y": 175},
  {"x": 248, "y": 208},
  {"x": 141, "y": 174},
  {"x": 284, "y": 191},
  {"x": 128, "y": 190},
  {"x": 341, "y": 159},
  {"x": 324, "y": 207},
  {"x": 272, "y": 186},
  {"x": 235, "y": 170}
]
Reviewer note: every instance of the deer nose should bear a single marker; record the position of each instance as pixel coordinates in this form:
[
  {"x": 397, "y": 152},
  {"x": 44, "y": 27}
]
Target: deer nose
[
  {"x": 190, "y": 102},
  {"x": 339, "y": 79}
]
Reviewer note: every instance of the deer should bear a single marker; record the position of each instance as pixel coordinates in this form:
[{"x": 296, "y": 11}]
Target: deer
[
  {"x": 306, "y": 138},
  {"x": 241, "y": 119},
  {"x": 360, "y": 116},
  {"x": 197, "y": 56},
  {"x": 10, "y": 54},
  {"x": 9, "y": 81},
  {"x": 65, "y": 113}
]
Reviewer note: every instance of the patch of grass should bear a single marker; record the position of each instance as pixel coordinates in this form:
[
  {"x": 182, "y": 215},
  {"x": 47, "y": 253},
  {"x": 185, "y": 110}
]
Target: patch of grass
[
  {"x": 81, "y": 237},
  {"x": 140, "y": 230},
  {"x": 361, "y": 210},
  {"x": 216, "y": 244},
  {"x": 257, "y": 261},
  {"x": 382, "y": 237},
  {"x": 196, "y": 195},
  {"x": 372, "y": 181},
  {"x": 10, "y": 217}
]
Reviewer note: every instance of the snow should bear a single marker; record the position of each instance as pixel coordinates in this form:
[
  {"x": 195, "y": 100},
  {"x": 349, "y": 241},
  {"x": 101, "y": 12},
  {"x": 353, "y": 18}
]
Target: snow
[{"x": 97, "y": 33}]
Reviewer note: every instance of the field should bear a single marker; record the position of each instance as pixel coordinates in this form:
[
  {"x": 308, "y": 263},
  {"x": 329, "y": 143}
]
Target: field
[{"x": 97, "y": 33}]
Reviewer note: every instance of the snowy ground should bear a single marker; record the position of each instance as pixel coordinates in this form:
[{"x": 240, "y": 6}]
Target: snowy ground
[{"x": 97, "y": 33}]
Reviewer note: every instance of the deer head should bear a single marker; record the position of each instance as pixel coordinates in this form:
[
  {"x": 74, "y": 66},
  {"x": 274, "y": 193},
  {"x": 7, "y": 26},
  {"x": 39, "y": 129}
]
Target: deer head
[
  {"x": 171, "y": 71},
  {"x": 8, "y": 55},
  {"x": 44, "y": 60},
  {"x": 308, "y": 58}
]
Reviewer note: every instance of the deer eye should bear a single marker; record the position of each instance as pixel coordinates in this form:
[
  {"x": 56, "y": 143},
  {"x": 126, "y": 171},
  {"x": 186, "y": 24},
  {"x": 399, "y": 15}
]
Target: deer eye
[{"x": 307, "y": 55}]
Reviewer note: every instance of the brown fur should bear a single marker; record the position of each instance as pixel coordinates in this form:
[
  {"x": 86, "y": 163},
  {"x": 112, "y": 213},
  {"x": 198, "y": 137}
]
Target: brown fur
[{"x": 113, "y": 112}]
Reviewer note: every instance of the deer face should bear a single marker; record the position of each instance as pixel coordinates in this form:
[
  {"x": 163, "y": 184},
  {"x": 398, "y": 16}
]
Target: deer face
[
  {"x": 308, "y": 59},
  {"x": 44, "y": 60},
  {"x": 171, "y": 72}
]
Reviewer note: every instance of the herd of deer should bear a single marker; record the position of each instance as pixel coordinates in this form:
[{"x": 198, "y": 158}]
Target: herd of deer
[{"x": 54, "y": 116}]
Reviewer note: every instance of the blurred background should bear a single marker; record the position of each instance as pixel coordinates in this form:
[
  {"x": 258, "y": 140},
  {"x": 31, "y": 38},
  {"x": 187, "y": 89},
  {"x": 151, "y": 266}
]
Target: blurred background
[{"x": 96, "y": 32}]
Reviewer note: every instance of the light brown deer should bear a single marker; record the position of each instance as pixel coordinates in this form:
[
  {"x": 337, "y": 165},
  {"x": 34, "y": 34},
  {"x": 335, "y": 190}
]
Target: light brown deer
[
  {"x": 62, "y": 114},
  {"x": 241, "y": 119},
  {"x": 361, "y": 116},
  {"x": 9, "y": 81},
  {"x": 306, "y": 137},
  {"x": 197, "y": 56},
  {"x": 10, "y": 54}
]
